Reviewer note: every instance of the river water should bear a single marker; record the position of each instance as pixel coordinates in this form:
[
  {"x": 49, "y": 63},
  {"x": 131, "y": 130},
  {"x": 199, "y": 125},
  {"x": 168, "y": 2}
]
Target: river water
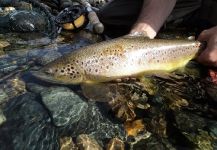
[{"x": 175, "y": 111}]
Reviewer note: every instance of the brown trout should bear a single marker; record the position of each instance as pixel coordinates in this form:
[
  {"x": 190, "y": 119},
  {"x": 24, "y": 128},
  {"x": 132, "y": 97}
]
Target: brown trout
[{"x": 119, "y": 58}]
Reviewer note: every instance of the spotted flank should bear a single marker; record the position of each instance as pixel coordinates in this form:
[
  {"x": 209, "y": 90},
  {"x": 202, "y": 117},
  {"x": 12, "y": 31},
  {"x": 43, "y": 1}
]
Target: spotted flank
[{"x": 119, "y": 58}]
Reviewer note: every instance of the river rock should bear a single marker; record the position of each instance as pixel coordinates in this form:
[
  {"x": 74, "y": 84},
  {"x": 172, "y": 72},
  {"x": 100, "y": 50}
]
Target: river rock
[
  {"x": 152, "y": 143},
  {"x": 35, "y": 88},
  {"x": 28, "y": 125},
  {"x": 86, "y": 142},
  {"x": 64, "y": 105},
  {"x": 48, "y": 57},
  {"x": 66, "y": 143},
  {"x": 98, "y": 123},
  {"x": 189, "y": 122},
  {"x": 2, "y": 117},
  {"x": 115, "y": 144},
  {"x": 3, "y": 96}
]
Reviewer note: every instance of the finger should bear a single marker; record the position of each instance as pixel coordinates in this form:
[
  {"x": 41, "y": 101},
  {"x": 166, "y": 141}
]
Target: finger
[
  {"x": 203, "y": 58},
  {"x": 208, "y": 57},
  {"x": 204, "y": 35}
]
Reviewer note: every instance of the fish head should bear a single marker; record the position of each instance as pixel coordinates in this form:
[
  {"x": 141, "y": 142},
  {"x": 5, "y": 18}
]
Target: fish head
[{"x": 60, "y": 73}]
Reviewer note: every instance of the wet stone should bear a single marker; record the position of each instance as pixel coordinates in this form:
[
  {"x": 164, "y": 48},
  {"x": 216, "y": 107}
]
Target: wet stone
[
  {"x": 202, "y": 140},
  {"x": 151, "y": 143},
  {"x": 28, "y": 125},
  {"x": 2, "y": 117},
  {"x": 115, "y": 144},
  {"x": 64, "y": 105},
  {"x": 86, "y": 142},
  {"x": 35, "y": 88},
  {"x": 3, "y": 96},
  {"x": 48, "y": 57},
  {"x": 134, "y": 127},
  {"x": 189, "y": 122},
  {"x": 66, "y": 143},
  {"x": 212, "y": 126},
  {"x": 98, "y": 123}
]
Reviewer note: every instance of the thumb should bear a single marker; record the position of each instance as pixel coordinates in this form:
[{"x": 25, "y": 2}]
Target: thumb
[
  {"x": 203, "y": 57},
  {"x": 204, "y": 35}
]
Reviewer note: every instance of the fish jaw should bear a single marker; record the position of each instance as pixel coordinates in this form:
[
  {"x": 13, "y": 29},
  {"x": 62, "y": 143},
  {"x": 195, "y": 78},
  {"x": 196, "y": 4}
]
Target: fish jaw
[{"x": 52, "y": 79}]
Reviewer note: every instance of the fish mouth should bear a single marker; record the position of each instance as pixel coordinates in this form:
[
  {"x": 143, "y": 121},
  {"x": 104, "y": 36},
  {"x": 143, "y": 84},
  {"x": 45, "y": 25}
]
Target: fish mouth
[{"x": 45, "y": 77}]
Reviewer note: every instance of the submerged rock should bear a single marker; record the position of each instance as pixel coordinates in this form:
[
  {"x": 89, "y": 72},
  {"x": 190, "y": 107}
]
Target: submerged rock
[
  {"x": 86, "y": 142},
  {"x": 10, "y": 89},
  {"x": 134, "y": 127},
  {"x": 3, "y": 96},
  {"x": 123, "y": 98},
  {"x": 201, "y": 139},
  {"x": 2, "y": 117},
  {"x": 66, "y": 143},
  {"x": 115, "y": 144},
  {"x": 98, "y": 123},
  {"x": 189, "y": 122},
  {"x": 152, "y": 143},
  {"x": 35, "y": 88},
  {"x": 28, "y": 126},
  {"x": 48, "y": 57},
  {"x": 64, "y": 105},
  {"x": 74, "y": 116}
]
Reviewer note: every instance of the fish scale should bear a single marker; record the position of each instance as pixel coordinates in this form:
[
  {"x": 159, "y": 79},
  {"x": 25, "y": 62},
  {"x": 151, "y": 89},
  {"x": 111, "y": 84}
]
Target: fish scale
[{"x": 119, "y": 58}]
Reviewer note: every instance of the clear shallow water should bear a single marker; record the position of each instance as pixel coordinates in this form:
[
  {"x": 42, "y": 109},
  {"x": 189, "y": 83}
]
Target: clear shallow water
[{"x": 171, "y": 112}]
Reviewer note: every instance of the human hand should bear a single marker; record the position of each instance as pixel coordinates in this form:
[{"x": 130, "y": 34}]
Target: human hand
[
  {"x": 152, "y": 17},
  {"x": 143, "y": 29},
  {"x": 209, "y": 55}
]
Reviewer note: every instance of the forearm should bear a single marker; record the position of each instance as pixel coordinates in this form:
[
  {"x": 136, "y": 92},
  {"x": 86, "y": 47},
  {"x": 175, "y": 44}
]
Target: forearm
[{"x": 154, "y": 13}]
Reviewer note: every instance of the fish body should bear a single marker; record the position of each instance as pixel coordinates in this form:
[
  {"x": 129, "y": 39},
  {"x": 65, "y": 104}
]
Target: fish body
[{"x": 119, "y": 58}]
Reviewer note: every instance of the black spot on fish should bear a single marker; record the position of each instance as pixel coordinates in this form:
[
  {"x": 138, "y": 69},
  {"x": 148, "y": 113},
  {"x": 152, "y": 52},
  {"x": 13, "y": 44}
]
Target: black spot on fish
[{"x": 62, "y": 71}]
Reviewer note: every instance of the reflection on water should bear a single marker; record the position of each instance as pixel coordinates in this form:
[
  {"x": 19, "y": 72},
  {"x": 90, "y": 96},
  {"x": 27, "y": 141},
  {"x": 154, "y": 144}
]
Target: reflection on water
[{"x": 170, "y": 111}]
